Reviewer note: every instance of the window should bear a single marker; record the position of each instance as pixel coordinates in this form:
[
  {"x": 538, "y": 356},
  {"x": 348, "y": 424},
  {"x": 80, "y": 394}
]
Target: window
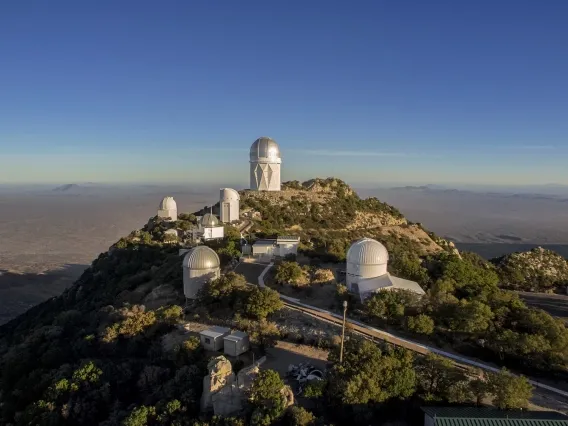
[{"x": 207, "y": 341}]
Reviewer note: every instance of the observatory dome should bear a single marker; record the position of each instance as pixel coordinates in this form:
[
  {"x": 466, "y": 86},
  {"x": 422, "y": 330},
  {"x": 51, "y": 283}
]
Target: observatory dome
[
  {"x": 209, "y": 220},
  {"x": 264, "y": 147},
  {"x": 229, "y": 194},
  {"x": 168, "y": 203},
  {"x": 366, "y": 258},
  {"x": 201, "y": 257},
  {"x": 367, "y": 252}
]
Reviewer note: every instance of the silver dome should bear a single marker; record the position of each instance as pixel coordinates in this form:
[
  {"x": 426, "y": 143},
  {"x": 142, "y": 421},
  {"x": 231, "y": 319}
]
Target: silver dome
[
  {"x": 209, "y": 220},
  {"x": 168, "y": 203},
  {"x": 264, "y": 147},
  {"x": 367, "y": 252},
  {"x": 201, "y": 257}
]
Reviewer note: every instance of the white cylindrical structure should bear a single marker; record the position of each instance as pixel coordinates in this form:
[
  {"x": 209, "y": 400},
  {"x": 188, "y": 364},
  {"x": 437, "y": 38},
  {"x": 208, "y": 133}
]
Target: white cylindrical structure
[
  {"x": 200, "y": 265},
  {"x": 265, "y": 163},
  {"x": 168, "y": 209},
  {"x": 229, "y": 205},
  {"x": 366, "y": 258}
]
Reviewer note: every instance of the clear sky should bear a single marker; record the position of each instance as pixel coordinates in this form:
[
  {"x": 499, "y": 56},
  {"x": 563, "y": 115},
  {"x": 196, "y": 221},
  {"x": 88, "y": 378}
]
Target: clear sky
[{"x": 439, "y": 91}]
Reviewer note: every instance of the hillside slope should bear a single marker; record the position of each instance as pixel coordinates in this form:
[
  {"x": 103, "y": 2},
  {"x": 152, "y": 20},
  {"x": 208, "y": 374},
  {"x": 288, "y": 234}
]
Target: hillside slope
[
  {"x": 536, "y": 270},
  {"x": 328, "y": 212}
]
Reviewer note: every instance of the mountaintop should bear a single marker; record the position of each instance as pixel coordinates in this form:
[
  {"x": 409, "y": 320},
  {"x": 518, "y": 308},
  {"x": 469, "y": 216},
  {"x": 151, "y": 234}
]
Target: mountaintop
[{"x": 539, "y": 270}]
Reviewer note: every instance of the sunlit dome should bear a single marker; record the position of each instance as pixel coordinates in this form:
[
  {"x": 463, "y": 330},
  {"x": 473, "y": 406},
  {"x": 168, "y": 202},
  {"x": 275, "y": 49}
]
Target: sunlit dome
[
  {"x": 168, "y": 203},
  {"x": 209, "y": 220},
  {"x": 229, "y": 194},
  {"x": 264, "y": 148},
  {"x": 367, "y": 252},
  {"x": 201, "y": 257}
]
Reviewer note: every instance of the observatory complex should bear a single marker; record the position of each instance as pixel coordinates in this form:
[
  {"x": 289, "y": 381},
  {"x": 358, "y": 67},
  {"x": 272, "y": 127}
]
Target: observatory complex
[
  {"x": 200, "y": 265},
  {"x": 265, "y": 165},
  {"x": 168, "y": 209},
  {"x": 367, "y": 261}
]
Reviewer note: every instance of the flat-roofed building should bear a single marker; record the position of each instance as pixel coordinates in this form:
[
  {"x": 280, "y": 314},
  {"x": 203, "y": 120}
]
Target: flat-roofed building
[
  {"x": 212, "y": 338},
  {"x": 236, "y": 343}
]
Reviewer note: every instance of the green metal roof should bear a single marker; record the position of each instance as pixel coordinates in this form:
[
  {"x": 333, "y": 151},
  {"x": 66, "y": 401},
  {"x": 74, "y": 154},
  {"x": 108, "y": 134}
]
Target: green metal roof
[{"x": 472, "y": 416}]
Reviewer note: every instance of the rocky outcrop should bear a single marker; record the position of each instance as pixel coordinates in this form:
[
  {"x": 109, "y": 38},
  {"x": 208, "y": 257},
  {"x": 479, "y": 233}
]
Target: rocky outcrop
[
  {"x": 224, "y": 392},
  {"x": 538, "y": 270}
]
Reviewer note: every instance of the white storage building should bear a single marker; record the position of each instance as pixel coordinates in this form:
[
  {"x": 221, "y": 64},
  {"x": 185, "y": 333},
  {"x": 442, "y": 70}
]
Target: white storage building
[
  {"x": 200, "y": 265},
  {"x": 236, "y": 343},
  {"x": 366, "y": 273},
  {"x": 212, "y": 338},
  {"x": 229, "y": 205}
]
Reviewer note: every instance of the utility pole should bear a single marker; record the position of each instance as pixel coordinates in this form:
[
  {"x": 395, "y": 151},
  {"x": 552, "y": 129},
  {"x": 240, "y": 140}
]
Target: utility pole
[{"x": 343, "y": 331}]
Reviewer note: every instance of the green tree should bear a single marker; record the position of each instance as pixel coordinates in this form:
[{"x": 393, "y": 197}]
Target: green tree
[
  {"x": 438, "y": 377},
  {"x": 471, "y": 317},
  {"x": 140, "y": 416},
  {"x": 420, "y": 324},
  {"x": 261, "y": 302},
  {"x": 288, "y": 273},
  {"x": 369, "y": 375},
  {"x": 389, "y": 304},
  {"x": 299, "y": 416},
  {"x": 510, "y": 391},
  {"x": 265, "y": 396}
]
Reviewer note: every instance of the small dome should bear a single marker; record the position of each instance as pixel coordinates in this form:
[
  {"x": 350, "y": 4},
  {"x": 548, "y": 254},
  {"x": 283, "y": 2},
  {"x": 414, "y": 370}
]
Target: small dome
[
  {"x": 229, "y": 194},
  {"x": 201, "y": 257},
  {"x": 264, "y": 147},
  {"x": 209, "y": 220},
  {"x": 367, "y": 252},
  {"x": 168, "y": 203}
]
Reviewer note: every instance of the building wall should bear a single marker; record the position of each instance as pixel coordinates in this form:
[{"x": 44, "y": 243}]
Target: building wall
[
  {"x": 229, "y": 206},
  {"x": 171, "y": 213},
  {"x": 262, "y": 250},
  {"x": 210, "y": 343},
  {"x": 264, "y": 176},
  {"x": 285, "y": 248},
  {"x": 355, "y": 271},
  {"x": 194, "y": 280},
  {"x": 214, "y": 232},
  {"x": 428, "y": 421}
]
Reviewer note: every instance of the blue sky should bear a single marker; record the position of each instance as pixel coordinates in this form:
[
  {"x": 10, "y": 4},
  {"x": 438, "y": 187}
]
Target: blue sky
[{"x": 372, "y": 91}]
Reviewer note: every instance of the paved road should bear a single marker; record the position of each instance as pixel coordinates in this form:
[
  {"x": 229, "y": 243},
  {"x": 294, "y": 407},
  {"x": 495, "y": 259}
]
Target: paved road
[
  {"x": 544, "y": 394},
  {"x": 554, "y": 304}
]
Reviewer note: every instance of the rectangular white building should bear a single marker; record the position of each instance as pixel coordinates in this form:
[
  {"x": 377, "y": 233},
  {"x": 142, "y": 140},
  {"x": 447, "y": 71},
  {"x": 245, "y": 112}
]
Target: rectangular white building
[
  {"x": 212, "y": 338},
  {"x": 236, "y": 343},
  {"x": 287, "y": 245}
]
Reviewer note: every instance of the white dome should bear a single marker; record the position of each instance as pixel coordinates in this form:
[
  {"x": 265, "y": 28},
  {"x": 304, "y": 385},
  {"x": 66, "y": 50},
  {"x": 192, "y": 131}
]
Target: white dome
[
  {"x": 209, "y": 220},
  {"x": 229, "y": 194},
  {"x": 201, "y": 257},
  {"x": 266, "y": 148},
  {"x": 168, "y": 203},
  {"x": 367, "y": 252}
]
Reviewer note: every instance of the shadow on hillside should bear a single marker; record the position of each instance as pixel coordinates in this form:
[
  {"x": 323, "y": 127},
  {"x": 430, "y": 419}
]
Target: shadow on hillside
[{"x": 21, "y": 291}]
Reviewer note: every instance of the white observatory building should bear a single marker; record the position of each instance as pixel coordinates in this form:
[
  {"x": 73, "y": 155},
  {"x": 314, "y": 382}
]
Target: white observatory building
[
  {"x": 367, "y": 273},
  {"x": 210, "y": 228},
  {"x": 168, "y": 209},
  {"x": 265, "y": 165},
  {"x": 229, "y": 205},
  {"x": 200, "y": 265}
]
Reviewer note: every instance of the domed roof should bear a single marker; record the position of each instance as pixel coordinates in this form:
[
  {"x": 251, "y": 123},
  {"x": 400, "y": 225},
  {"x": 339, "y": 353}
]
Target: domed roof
[
  {"x": 209, "y": 220},
  {"x": 168, "y": 203},
  {"x": 201, "y": 257},
  {"x": 264, "y": 147},
  {"x": 228, "y": 194},
  {"x": 367, "y": 252}
]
